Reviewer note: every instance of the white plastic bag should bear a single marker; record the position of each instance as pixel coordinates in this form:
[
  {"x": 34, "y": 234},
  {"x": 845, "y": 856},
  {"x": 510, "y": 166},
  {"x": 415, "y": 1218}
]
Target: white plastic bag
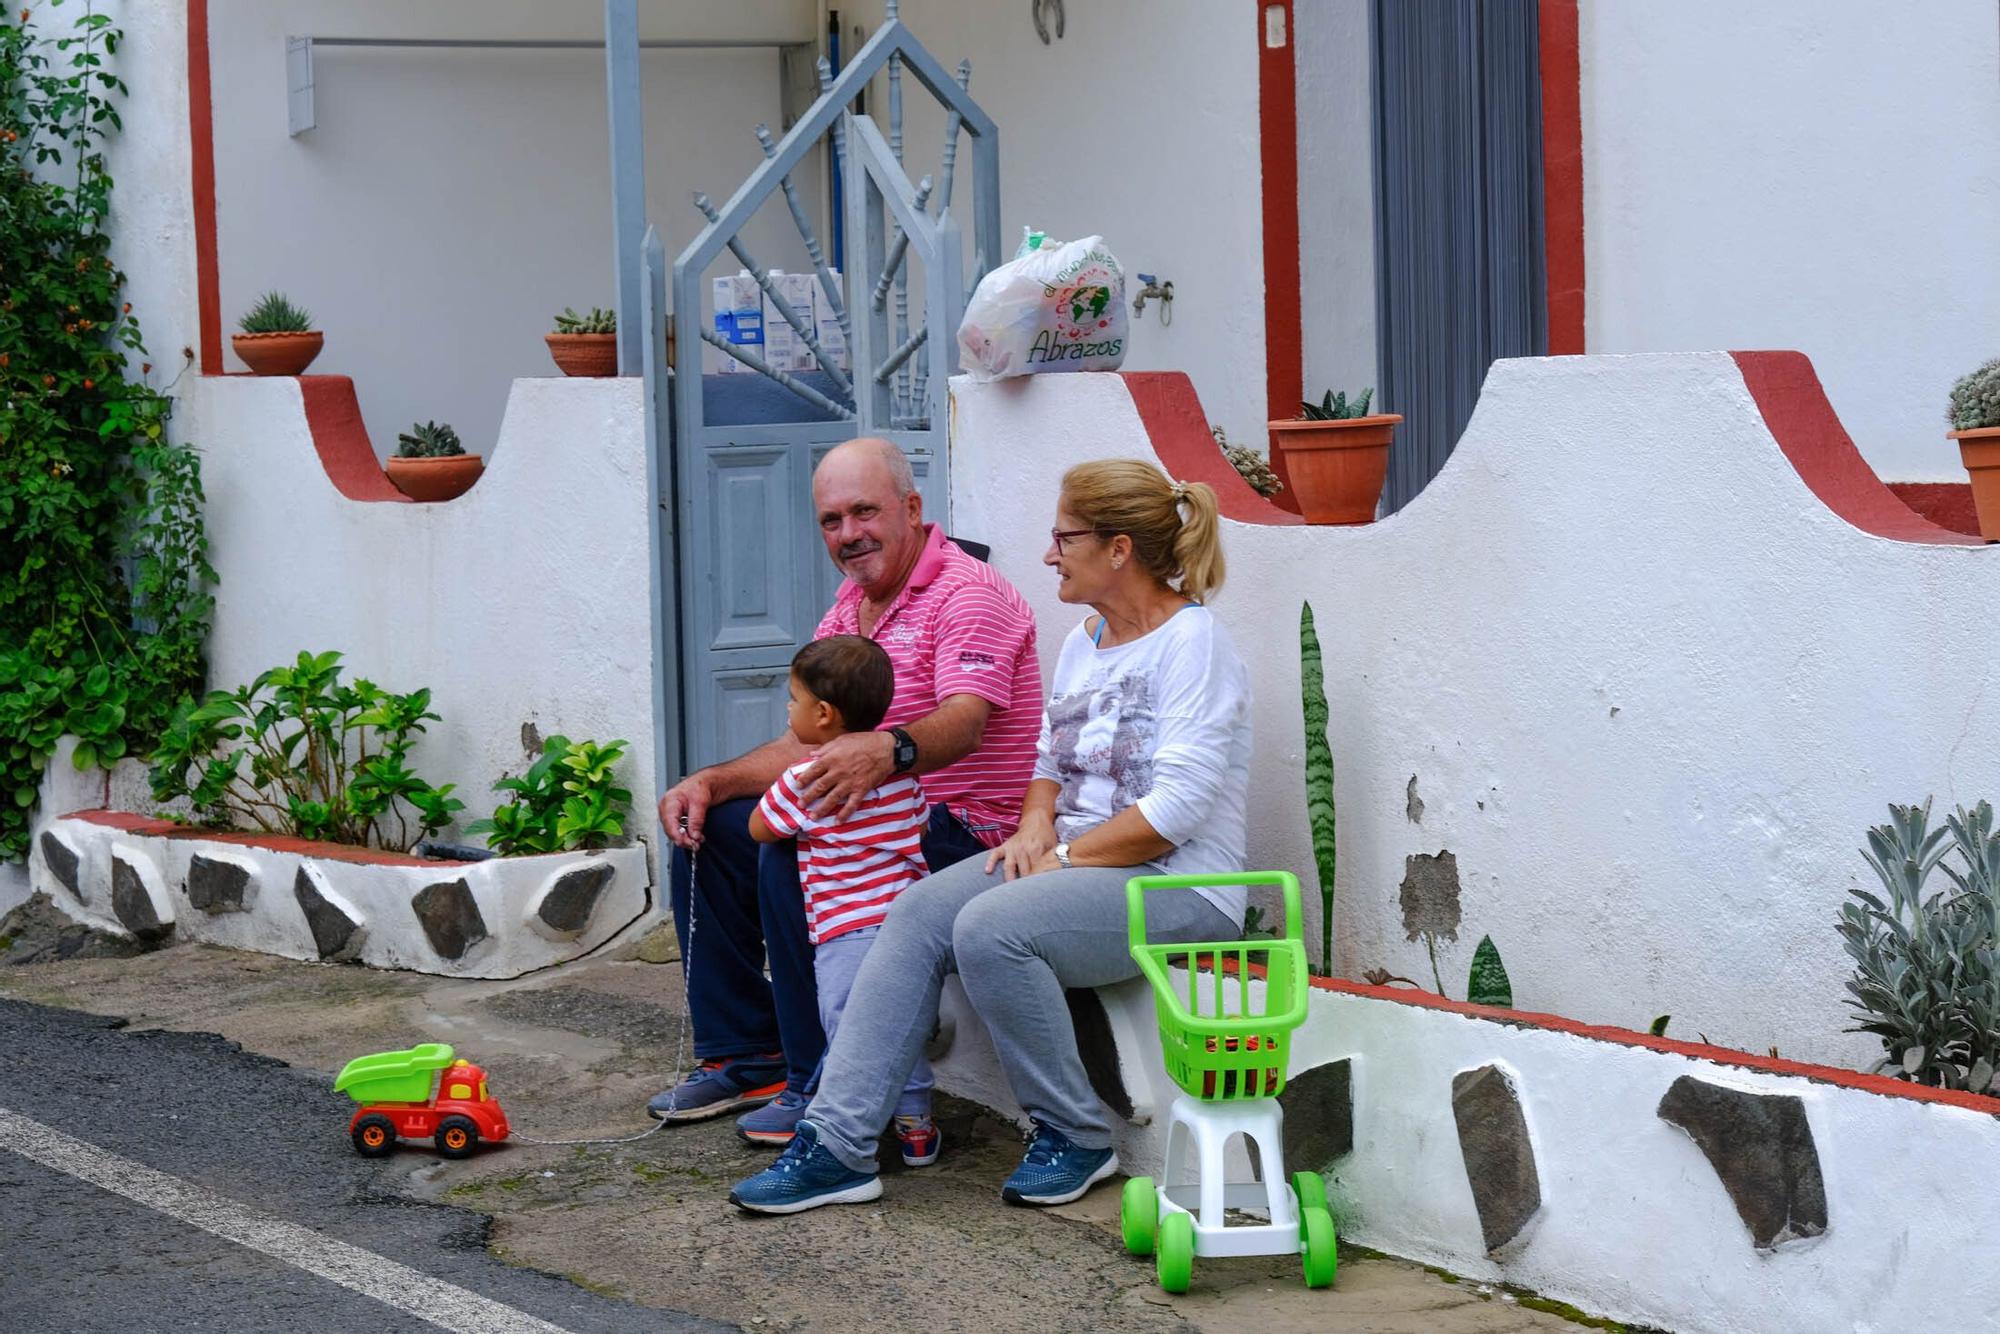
[{"x": 1057, "y": 306}]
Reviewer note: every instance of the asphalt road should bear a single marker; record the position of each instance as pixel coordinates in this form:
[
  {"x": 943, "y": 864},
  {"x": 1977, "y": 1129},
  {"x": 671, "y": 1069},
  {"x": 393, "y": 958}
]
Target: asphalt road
[{"x": 172, "y": 1181}]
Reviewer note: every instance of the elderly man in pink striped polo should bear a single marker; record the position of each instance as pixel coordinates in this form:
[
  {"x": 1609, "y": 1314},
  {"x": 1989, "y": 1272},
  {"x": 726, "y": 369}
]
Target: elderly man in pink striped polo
[{"x": 965, "y": 720}]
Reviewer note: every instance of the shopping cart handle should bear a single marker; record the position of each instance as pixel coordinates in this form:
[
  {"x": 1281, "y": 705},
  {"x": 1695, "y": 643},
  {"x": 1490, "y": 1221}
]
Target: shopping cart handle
[{"x": 1136, "y": 887}]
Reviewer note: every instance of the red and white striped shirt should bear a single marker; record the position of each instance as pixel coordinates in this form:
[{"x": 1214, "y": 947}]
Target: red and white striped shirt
[
  {"x": 851, "y": 870},
  {"x": 959, "y": 628}
]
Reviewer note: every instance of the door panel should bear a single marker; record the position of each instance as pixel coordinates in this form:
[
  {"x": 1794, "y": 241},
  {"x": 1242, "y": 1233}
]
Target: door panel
[{"x": 753, "y": 548}]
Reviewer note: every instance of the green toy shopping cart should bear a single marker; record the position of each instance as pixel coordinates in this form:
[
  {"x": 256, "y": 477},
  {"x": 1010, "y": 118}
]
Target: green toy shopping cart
[{"x": 1226, "y": 1013}]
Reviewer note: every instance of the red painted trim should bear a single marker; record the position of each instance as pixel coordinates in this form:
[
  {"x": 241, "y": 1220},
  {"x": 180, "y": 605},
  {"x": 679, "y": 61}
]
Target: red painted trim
[
  {"x": 1946, "y": 504},
  {"x": 333, "y": 414},
  {"x": 1807, "y": 429},
  {"x": 1278, "y": 144},
  {"x": 1562, "y": 174},
  {"x": 1172, "y": 414},
  {"x": 201, "y": 143},
  {"x": 146, "y": 827}
]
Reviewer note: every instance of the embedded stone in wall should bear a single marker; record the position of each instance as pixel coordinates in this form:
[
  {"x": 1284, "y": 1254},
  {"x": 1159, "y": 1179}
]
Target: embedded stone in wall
[
  {"x": 62, "y": 861},
  {"x": 336, "y": 932},
  {"x": 217, "y": 886},
  {"x": 450, "y": 917},
  {"x": 1499, "y": 1156},
  {"x": 1762, "y": 1147},
  {"x": 132, "y": 901},
  {"x": 1319, "y": 1115},
  {"x": 1098, "y": 1049},
  {"x": 567, "y": 904}
]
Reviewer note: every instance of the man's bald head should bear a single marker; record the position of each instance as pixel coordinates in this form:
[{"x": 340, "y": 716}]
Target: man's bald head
[{"x": 870, "y": 514}]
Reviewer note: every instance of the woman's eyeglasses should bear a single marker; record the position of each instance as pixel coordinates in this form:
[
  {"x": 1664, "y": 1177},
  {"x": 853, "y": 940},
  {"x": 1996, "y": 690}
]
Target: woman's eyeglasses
[{"x": 1059, "y": 536}]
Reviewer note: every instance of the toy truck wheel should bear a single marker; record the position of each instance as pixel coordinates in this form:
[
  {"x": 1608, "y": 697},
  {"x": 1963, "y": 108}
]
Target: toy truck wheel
[
  {"x": 457, "y": 1137},
  {"x": 374, "y": 1136},
  {"x": 1320, "y": 1249},
  {"x": 1139, "y": 1215},
  {"x": 1174, "y": 1262}
]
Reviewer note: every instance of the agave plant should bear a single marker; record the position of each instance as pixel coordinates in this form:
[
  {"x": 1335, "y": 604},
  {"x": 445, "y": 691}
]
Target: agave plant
[
  {"x": 275, "y": 313},
  {"x": 1927, "y": 969},
  {"x": 428, "y": 440},
  {"x": 1335, "y": 407},
  {"x": 1975, "y": 399},
  {"x": 597, "y": 322}
]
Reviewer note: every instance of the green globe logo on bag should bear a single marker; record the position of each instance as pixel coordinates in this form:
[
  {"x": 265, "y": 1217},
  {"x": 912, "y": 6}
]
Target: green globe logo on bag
[{"x": 1088, "y": 303}]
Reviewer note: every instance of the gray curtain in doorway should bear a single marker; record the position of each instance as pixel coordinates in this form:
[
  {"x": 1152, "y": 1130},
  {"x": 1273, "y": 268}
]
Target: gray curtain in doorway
[{"x": 1458, "y": 216}]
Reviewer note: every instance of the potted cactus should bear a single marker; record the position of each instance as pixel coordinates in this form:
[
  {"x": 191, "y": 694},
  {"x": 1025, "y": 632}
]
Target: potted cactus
[
  {"x": 277, "y": 338},
  {"x": 430, "y": 464},
  {"x": 1336, "y": 457},
  {"x": 585, "y": 344},
  {"x": 1975, "y": 419}
]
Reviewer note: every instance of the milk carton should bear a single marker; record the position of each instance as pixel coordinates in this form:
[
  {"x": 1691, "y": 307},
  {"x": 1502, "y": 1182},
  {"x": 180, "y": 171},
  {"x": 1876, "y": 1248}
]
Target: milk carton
[
  {"x": 826, "y": 325},
  {"x": 783, "y": 348},
  {"x": 739, "y": 319}
]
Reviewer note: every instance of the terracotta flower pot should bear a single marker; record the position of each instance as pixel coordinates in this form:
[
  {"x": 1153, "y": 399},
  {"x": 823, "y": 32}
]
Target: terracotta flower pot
[
  {"x": 1979, "y": 449},
  {"x": 1337, "y": 467},
  {"x": 584, "y": 354},
  {"x": 278, "y": 353},
  {"x": 435, "y": 479}
]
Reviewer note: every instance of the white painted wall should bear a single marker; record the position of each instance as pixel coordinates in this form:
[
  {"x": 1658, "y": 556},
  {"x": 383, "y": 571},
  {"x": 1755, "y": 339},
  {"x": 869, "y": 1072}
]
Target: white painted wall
[
  {"x": 1140, "y": 123},
  {"x": 1336, "y": 195},
  {"x": 523, "y": 601},
  {"x": 1810, "y": 174},
  {"x": 450, "y": 201},
  {"x": 1643, "y": 678}
]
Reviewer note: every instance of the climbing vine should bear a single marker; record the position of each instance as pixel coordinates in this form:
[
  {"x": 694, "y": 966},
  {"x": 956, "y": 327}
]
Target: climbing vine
[{"x": 104, "y": 573}]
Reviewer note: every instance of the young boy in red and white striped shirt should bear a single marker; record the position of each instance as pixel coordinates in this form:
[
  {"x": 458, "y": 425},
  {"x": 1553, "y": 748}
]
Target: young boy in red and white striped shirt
[{"x": 851, "y": 869}]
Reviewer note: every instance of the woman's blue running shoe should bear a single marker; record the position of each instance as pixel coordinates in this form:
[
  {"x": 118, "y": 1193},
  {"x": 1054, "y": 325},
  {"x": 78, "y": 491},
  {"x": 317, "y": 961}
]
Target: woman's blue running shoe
[
  {"x": 1057, "y": 1171},
  {"x": 805, "y": 1176}
]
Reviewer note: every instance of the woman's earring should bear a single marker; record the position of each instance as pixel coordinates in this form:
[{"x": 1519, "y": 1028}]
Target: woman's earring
[{"x": 1117, "y": 564}]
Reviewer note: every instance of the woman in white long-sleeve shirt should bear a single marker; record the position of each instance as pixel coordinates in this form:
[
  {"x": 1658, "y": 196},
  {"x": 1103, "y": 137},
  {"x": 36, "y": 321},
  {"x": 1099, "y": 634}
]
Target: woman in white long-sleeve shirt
[{"x": 1144, "y": 767}]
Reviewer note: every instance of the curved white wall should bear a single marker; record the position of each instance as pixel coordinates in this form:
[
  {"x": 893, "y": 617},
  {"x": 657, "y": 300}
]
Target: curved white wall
[
  {"x": 1813, "y": 174},
  {"x": 1652, "y": 691}
]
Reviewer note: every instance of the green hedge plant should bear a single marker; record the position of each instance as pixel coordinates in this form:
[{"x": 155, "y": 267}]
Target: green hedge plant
[
  {"x": 300, "y": 752},
  {"x": 568, "y": 799},
  {"x": 1927, "y": 966}
]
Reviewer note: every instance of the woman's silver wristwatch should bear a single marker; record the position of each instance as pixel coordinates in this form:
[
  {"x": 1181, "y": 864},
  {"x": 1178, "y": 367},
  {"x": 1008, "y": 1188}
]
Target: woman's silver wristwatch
[{"x": 1062, "y": 856}]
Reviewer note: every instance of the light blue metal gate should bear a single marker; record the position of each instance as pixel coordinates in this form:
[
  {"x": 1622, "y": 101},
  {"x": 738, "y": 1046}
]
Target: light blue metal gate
[{"x": 738, "y": 548}]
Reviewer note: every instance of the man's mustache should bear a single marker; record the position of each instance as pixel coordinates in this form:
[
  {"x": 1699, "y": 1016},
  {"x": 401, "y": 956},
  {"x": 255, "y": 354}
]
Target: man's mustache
[{"x": 852, "y": 549}]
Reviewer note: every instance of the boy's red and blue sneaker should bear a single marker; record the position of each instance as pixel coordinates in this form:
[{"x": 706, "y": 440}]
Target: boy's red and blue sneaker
[
  {"x": 920, "y": 1140},
  {"x": 774, "y": 1122},
  {"x": 805, "y": 1176},
  {"x": 719, "y": 1086},
  {"x": 1057, "y": 1171}
]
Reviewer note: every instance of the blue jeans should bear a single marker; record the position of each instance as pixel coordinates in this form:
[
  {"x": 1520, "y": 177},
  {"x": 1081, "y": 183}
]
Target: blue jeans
[{"x": 746, "y": 907}]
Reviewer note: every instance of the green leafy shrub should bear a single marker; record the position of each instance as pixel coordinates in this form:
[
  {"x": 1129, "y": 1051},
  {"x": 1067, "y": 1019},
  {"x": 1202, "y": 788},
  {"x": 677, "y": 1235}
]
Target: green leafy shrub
[
  {"x": 317, "y": 759},
  {"x": 568, "y": 799},
  {"x": 1927, "y": 969},
  {"x": 275, "y": 313},
  {"x": 597, "y": 322},
  {"x": 1975, "y": 399},
  {"x": 103, "y": 562},
  {"x": 1335, "y": 407},
  {"x": 428, "y": 440}
]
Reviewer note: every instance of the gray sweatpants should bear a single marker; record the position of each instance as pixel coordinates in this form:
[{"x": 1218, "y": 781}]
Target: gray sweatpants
[{"x": 1016, "y": 946}]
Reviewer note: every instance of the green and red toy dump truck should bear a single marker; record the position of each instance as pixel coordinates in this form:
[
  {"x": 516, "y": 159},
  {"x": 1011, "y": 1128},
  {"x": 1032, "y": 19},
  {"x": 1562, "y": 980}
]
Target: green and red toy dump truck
[{"x": 397, "y": 1101}]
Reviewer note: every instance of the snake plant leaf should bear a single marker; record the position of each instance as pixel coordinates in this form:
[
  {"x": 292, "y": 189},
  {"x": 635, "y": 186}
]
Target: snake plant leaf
[{"x": 1487, "y": 984}]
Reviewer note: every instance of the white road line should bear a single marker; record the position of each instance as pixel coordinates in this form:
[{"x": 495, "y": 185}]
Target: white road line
[{"x": 442, "y": 1304}]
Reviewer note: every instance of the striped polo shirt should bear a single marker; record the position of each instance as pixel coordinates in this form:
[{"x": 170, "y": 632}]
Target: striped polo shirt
[
  {"x": 959, "y": 628},
  {"x": 851, "y": 870}
]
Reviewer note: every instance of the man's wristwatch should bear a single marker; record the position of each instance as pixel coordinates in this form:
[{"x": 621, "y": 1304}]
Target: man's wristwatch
[
  {"x": 1062, "y": 856},
  {"x": 905, "y": 752}
]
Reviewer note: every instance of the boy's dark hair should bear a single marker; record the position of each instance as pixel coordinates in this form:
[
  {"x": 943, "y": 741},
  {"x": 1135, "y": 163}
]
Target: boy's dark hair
[{"x": 851, "y": 673}]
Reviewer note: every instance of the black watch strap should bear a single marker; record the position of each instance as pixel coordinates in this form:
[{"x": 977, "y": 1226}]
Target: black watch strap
[{"x": 906, "y": 750}]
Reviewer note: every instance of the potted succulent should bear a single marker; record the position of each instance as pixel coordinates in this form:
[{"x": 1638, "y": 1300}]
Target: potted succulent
[
  {"x": 430, "y": 464},
  {"x": 1336, "y": 457},
  {"x": 1975, "y": 419},
  {"x": 585, "y": 344},
  {"x": 278, "y": 337}
]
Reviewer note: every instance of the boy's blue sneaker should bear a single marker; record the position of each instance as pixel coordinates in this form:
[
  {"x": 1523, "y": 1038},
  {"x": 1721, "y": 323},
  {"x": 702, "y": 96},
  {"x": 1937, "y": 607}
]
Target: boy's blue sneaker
[
  {"x": 774, "y": 1122},
  {"x": 721, "y": 1086},
  {"x": 1057, "y": 1171},
  {"x": 805, "y": 1176}
]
